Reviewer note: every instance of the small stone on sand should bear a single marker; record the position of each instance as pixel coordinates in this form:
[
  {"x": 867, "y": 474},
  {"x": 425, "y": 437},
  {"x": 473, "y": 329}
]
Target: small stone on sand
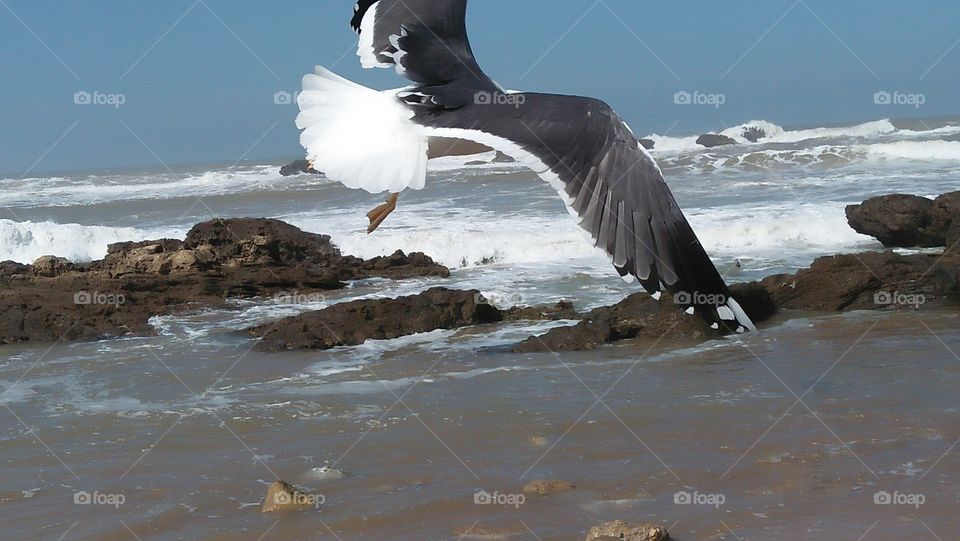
[{"x": 542, "y": 487}]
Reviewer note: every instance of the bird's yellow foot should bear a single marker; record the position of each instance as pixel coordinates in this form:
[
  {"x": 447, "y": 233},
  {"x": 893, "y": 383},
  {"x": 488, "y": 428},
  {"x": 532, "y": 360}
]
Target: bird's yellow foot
[{"x": 379, "y": 214}]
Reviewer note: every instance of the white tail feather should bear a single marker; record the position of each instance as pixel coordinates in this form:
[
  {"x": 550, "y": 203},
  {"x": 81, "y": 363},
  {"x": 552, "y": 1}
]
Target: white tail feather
[{"x": 359, "y": 136}]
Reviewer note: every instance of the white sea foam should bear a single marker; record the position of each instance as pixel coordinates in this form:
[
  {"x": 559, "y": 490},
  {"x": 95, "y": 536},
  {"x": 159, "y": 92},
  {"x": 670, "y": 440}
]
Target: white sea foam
[
  {"x": 868, "y": 129},
  {"x": 776, "y": 134},
  {"x": 462, "y": 238},
  {"x": 775, "y": 230},
  {"x": 86, "y": 190},
  {"x": 943, "y": 130},
  {"x": 470, "y": 238},
  {"x": 666, "y": 143},
  {"x": 916, "y": 150},
  {"x": 26, "y": 241},
  {"x": 769, "y": 129},
  {"x": 551, "y": 244}
]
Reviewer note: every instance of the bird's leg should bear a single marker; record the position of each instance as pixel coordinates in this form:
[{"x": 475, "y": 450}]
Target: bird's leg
[{"x": 379, "y": 214}]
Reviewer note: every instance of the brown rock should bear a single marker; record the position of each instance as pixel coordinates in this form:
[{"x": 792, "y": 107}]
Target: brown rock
[
  {"x": 399, "y": 266},
  {"x": 870, "y": 281},
  {"x": 50, "y": 266},
  {"x": 147, "y": 257},
  {"x": 625, "y": 531},
  {"x": 640, "y": 316},
  {"x": 946, "y": 211},
  {"x": 243, "y": 241},
  {"x": 355, "y": 322},
  {"x": 711, "y": 140},
  {"x": 755, "y": 300},
  {"x": 182, "y": 261},
  {"x": 754, "y": 134},
  {"x": 953, "y": 237},
  {"x": 543, "y": 487},
  {"x": 636, "y": 316},
  {"x": 222, "y": 259},
  {"x": 896, "y": 220},
  {"x": 298, "y": 167},
  {"x": 282, "y": 496},
  {"x": 11, "y": 268},
  {"x": 561, "y": 310}
]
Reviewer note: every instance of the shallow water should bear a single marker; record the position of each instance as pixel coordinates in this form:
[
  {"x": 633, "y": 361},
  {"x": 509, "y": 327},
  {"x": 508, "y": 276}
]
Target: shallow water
[
  {"x": 190, "y": 431},
  {"x": 787, "y": 434}
]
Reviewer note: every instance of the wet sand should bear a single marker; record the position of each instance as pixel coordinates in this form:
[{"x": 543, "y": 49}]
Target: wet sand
[{"x": 792, "y": 433}]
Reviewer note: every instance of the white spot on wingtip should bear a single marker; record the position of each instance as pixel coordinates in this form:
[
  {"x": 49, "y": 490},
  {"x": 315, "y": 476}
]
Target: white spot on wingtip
[
  {"x": 741, "y": 330},
  {"x": 689, "y": 311},
  {"x": 715, "y": 326},
  {"x": 656, "y": 296}
]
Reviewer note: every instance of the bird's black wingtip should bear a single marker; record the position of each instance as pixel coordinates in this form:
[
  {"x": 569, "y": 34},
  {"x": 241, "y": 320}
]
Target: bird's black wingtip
[{"x": 359, "y": 10}]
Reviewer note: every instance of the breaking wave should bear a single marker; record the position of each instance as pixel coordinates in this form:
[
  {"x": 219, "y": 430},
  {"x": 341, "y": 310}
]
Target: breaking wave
[{"x": 26, "y": 241}]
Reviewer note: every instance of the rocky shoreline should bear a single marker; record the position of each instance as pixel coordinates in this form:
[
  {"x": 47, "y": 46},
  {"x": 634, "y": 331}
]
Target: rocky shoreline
[{"x": 55, "y": 299}]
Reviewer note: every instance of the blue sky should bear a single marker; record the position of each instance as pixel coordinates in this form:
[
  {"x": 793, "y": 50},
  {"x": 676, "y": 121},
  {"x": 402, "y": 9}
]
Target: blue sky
[{"x": 198, "y": 78}]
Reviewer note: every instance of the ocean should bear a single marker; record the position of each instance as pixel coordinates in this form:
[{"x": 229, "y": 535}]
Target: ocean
[{"x": 796, "y": 432}]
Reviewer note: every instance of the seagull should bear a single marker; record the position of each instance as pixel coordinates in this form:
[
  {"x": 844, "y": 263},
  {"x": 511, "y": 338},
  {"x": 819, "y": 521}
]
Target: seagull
[{"x": 381, "y": 141}]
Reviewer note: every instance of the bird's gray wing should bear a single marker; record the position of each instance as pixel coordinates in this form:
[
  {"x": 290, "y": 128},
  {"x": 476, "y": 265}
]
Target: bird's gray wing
[{"x": 583, "y": 148}]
